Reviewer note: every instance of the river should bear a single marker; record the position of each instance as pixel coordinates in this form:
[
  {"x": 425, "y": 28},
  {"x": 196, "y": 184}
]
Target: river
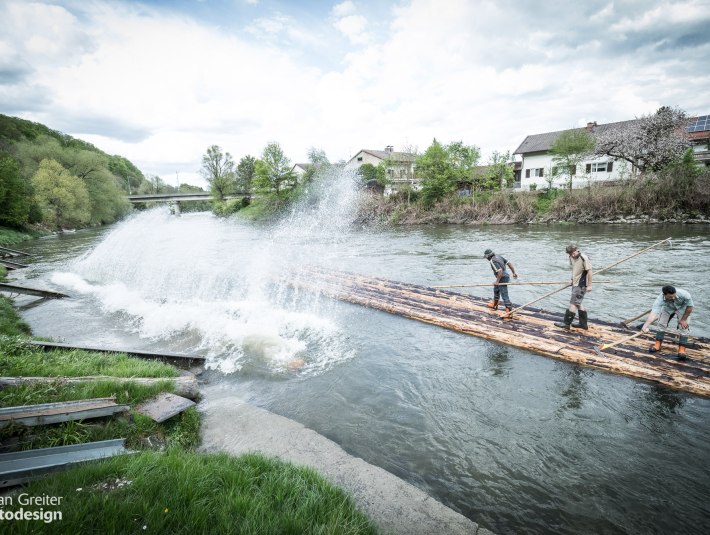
[{"x": 517, "y": 442}]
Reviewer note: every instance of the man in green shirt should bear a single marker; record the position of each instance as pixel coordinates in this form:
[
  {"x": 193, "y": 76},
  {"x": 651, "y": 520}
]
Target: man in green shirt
[
  {"x": 672, "y": 302},
  {"x": 581, "y": 284}
]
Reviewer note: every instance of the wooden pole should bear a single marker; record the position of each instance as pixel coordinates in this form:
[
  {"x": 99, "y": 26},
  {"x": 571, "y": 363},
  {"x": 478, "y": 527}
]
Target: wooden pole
[
  {"x": 510, "y": 284},
  {"x": 625, "y": 323},
  {"x": 625, "y": 339},
  {"x": 596, "y": 272}
]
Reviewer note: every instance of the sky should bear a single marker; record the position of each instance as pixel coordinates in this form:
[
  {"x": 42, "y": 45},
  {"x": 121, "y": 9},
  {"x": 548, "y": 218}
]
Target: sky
[{"x": 160, "y": 81}]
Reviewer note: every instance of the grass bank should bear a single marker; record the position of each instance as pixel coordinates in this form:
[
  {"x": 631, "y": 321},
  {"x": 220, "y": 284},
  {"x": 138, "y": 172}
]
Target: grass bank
[
  {"x": 181, "y": 492},
  {"x": 11, "y": 236}
]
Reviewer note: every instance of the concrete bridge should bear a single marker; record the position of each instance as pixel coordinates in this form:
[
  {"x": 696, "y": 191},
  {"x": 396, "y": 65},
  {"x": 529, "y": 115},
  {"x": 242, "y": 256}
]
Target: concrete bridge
[{"x": 174, "y": 199}]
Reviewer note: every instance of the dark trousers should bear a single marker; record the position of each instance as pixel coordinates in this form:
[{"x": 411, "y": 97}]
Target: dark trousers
[{"x": 501, "y": 292}]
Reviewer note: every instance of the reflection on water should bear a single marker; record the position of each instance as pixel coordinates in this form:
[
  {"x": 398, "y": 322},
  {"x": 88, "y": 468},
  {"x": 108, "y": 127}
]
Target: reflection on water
[
  {"x": 516, "y": 441},
  {"x": 575, "y": 389}
]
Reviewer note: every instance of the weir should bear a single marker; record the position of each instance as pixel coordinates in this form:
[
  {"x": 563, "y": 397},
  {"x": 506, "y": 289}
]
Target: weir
[{"x": 531, "y": 328}]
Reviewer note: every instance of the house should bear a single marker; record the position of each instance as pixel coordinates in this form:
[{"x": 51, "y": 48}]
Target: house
[
  {"x": 400, "y": 167},
  {"x": 536, "y": 165},
  {"x": 699, "y": 134},
  {"x": 299, "y": 169},
  {"x": 536, "y": 161}
]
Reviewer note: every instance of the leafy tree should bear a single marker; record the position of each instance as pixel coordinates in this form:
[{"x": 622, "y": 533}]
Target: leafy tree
[
  {"x": 218, "y": 171},
  {"x": 499, "y": 170},
  {"x": 62, "y": 196},
  {"x": 568, "y": 151},
  {"x": 245, "y": 174},
  {"x": 369, "y": 172},
  {"x": 464, "y": 159},
  {"x": 14, "y": 193},
  {"x": 437, "y": 173},
  {"x": 649, "y": 143},
  {"x": 273, "y": 170}
]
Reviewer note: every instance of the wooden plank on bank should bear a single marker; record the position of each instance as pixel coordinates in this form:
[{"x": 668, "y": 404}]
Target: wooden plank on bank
[
  {"x": 10, "y": 252},
  {"x": 176, "y": 359},
  {"x": 51, "y": 413},
  {"x": 184, "y": 385},
  {"x": 14, "y": 288},
  {"x": 9, "y": 264},
  {"x": 531, "y": 329}
]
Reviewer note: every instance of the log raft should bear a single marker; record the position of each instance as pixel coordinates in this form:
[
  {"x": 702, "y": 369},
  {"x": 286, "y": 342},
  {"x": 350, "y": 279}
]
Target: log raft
[{"x": 531, "y": 328}]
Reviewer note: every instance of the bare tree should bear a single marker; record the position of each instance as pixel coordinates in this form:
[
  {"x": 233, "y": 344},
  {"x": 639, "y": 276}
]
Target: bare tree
[{"x": 649, "y": 143}]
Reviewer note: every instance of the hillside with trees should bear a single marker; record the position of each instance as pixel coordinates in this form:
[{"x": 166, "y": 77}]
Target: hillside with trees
[{"x": 54, "y": 180}]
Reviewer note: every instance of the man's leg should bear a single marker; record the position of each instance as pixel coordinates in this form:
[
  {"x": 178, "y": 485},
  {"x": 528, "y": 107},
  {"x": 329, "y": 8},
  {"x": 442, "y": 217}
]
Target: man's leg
[{"x": 663, "y": 321}]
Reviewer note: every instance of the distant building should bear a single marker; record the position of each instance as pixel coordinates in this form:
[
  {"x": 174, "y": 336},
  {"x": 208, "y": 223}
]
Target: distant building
[
  {"x": 699, "y": 134},
  {"x": 299, "y": 169},
  {"x": 400, "y": 167}
]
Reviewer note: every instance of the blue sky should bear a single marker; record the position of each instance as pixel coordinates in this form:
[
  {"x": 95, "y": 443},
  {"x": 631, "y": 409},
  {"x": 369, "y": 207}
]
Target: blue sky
[{"x": 160, "y": 81}]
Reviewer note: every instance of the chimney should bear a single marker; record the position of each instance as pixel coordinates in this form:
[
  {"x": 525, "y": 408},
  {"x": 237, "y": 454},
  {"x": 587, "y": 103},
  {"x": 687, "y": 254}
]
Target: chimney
[
  {"x": 590, "y": 126},
  {"x": 388, "y": 149}
]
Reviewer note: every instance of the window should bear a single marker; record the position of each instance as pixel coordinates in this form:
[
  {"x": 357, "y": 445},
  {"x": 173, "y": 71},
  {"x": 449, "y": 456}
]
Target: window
[
  {"x": 604, "y": 167},
  {"x": 359, "y": 158},
  {"x": 534, "y": 172}
]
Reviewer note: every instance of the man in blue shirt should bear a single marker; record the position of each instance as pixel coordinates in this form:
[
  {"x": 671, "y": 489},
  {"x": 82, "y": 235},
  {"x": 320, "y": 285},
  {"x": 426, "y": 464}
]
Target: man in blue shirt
[{"x": 672, "y": 302}]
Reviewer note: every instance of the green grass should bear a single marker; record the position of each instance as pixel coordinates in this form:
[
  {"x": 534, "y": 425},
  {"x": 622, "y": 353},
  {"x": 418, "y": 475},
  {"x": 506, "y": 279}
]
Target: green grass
[
  {"x": 10, "y": 236},
  {"x": 184, "y": 493},
  {"x": 10, "y": 322},
  {"x": 18, "y": 358}
]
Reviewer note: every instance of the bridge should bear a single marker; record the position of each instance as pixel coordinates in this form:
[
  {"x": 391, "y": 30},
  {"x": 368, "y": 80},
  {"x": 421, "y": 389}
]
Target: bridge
[{"x": 174, "y": 199}]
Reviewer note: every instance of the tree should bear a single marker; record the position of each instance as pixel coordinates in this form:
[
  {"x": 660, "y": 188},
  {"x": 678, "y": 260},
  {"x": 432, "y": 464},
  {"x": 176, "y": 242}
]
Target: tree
[
  {"x": 245, "y": 174},
  {"x": 437, "y": 173},
  {"x": 499, "y": 171},
  {"x": 464, "y": 159},
  {"x": 14, "y": 193},
  {"x": 273, "y": 170},
  {"x": 317, "y": 163},
  {"x": 62, "y": 196},
  {"x": 649, "y": 143},
  {"x": 369, "y": 172},
  {"x": 568, "y": 151},
  {"x": 218, "y": 171}
]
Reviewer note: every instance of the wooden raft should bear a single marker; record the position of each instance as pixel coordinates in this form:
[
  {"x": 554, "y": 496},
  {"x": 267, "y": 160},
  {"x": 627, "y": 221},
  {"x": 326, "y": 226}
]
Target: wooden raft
[{"x": 531, "y": 329}]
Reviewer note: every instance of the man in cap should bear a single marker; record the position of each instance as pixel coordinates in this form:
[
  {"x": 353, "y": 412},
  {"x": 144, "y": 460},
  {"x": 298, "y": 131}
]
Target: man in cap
[
  {"x": 581, "y": 284},
  {"x": 671, "y": 302},
  {"x": 498, "y": 265}
]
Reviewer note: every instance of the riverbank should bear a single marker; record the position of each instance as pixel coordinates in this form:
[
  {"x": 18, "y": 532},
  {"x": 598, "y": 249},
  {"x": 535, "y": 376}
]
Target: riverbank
[{"x": 642, "y": 201}]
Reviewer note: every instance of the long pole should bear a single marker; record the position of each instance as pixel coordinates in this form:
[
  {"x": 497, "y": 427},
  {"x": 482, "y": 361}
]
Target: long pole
[
  {"x": 624, "y": 339},
  {"x": 509, "y": 284},
  {"x": 597, "y": 272},
  {"x": 625, "y": 323}
]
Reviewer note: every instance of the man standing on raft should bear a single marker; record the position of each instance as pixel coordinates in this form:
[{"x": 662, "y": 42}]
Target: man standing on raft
[{"x": 581, "y": 284}]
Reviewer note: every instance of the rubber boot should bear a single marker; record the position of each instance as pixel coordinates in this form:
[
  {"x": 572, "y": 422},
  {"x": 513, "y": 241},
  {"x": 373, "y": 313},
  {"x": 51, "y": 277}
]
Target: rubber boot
[
  {"x": 507, "y": 315},
  {"x": 656, "y": 347},
  {"x": 567, "y": 322},
  {"x": 493, "y": 303},
  {"x": 582, "y": 324},
  {"x": 682, "y": 342}
]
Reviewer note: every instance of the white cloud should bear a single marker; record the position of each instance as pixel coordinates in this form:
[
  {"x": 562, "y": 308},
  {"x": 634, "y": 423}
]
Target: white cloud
[
  {"x": 343, "y": 9},
  {"x": 353, "y": 27}
]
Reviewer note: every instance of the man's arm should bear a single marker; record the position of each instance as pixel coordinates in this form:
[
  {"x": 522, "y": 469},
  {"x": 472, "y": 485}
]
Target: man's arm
[
  {"x": 683, "y": 322},
  {"x": 651, "y": 318},
  {"x": 512, "y": 270}
]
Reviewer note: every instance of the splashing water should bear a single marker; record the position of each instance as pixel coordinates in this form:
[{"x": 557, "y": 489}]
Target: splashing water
[{"x": 210, "y": 285}]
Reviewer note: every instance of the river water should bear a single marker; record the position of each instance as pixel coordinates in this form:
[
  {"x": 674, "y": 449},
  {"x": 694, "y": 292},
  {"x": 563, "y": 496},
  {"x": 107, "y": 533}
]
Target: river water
[{"x": 517, "y": 442}]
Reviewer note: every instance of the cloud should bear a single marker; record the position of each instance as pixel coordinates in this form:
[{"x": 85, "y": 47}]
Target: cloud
[{"x": 351, "y": 25}]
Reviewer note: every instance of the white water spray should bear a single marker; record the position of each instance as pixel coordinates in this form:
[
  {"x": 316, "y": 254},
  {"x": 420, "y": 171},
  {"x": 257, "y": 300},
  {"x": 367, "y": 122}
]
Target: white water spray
[{"x": 210, "y": 285}]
